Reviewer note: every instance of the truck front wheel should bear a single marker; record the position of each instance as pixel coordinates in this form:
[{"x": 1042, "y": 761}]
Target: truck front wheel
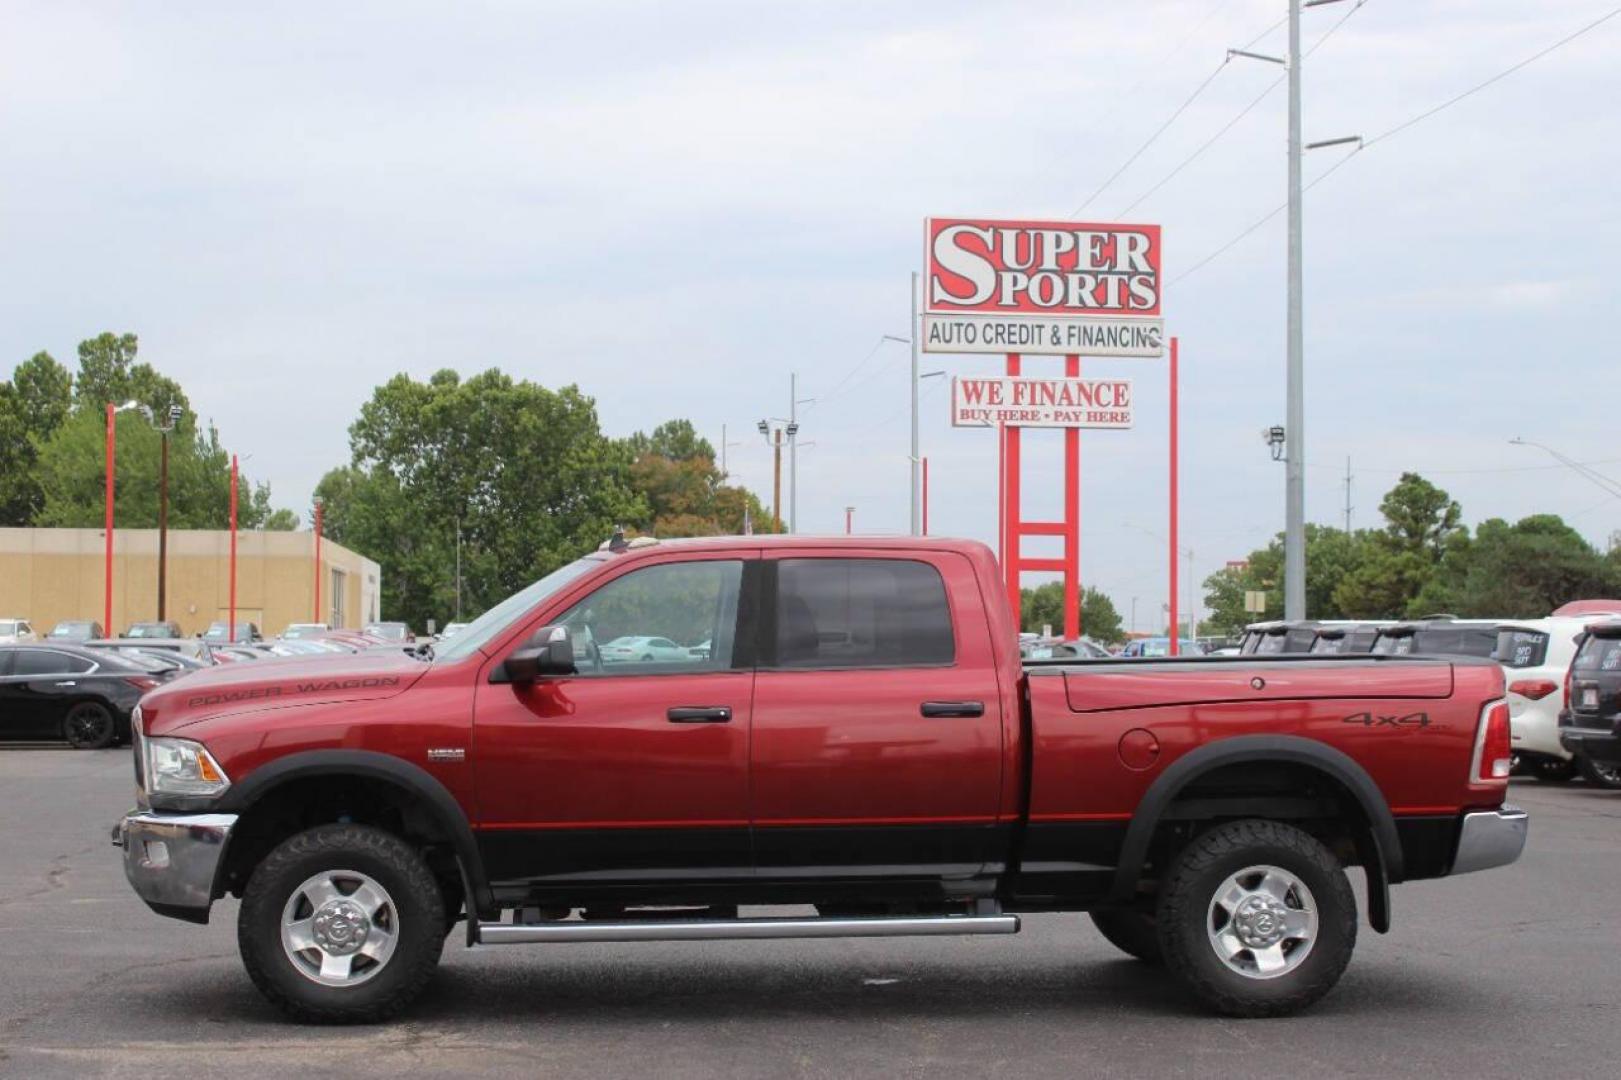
[
  {"x": 341, "y": 924},
  {"x": 1257, "y": 918}
]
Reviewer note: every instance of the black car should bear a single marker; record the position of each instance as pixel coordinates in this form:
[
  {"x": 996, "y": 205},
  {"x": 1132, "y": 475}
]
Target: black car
[
  {"x": 1590, "y": 724},
  {"x": 51, "y": 691}
]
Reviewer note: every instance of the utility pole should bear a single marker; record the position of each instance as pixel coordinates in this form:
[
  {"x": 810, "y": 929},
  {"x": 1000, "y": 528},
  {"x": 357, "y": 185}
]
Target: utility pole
[
  {"x": 794, "y": 402},
  {"x": 458, "y": 569},
  {"x": 1294, "y": 525},
  {"x": 1347, "y": 494},
  {"x": 163, "y": 511},
  {"x": 1193, "y": 611},
  {"x": 849, "y": 519},
  {"x": 773, "y": 439},
  {"x": 1294, "y": 500},
  {"x": 917, "y": 478}
]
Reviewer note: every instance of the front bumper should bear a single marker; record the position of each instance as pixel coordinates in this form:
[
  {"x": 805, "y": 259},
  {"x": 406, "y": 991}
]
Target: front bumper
[
  {"x": 172, "y": 860},
  {"x": 1491, "y": 838}
]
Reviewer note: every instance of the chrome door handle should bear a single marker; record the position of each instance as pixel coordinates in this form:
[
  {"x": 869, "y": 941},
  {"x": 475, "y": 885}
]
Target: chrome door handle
[{"x": 67, "y": 682}]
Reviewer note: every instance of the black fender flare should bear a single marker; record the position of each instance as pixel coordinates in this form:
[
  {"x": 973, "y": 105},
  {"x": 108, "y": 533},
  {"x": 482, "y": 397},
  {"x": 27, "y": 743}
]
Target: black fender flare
[
  {"x": 1381, "y": 850},
  {"x": 436, "y": 798}
]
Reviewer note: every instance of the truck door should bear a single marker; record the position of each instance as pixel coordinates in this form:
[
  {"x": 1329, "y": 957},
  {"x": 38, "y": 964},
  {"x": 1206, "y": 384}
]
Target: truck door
[
  {"x": 635, "y": 770},
  {"x": 877, "y": 725}
]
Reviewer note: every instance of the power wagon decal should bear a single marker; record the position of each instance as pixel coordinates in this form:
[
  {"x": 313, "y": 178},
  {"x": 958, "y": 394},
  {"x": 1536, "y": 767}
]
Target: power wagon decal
[{"x": 325, "y": 686}]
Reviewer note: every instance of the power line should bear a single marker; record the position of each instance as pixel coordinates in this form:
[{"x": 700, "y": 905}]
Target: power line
[
  {"x": 1505, "y": 73},
  {"x": 838, "y": 386},
  {"x": 1180, "y": 109},
  {"x": 1245, "y": 111},
  {"x": 1403, "y": 126}
]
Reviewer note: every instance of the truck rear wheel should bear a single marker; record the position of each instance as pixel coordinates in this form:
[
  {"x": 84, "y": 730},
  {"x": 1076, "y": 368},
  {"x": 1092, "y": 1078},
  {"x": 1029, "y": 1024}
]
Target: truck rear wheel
[
  {"x": 1602, "y": 774},
  {"x": 341, "y": 924},
  {"x": 1257, "y": 918},
  {"x": 1131, "y": 931}
]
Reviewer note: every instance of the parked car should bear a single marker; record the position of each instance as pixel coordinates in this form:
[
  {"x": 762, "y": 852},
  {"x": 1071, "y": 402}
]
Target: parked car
[
  {"x": 1160, "y": 646},
  {"x": 194, "y": 649},
  {"x": 76, "y": 630},
  {"x": 298, "y": 630},
  {"x": 169, "y": 630},
  {"x": 862, "y": 738},
  {"x": 644, "y": 649},
  {"x": 1537, "y": 655},
  {"x": 1082, "y": 648},
  {"x": 13, "y": 631},
  {"x": 1441, "y": 635},
  {"x": 1342, "y": 638},
  {"x": 1590, "y": 725},
  {"x": 396, "y": 632},
  {"x": 220, "y": 631},
  {"x": 58, "y": 691},
  {"x": 162, "y": 663},
  {"x": 451, "y": 630}
]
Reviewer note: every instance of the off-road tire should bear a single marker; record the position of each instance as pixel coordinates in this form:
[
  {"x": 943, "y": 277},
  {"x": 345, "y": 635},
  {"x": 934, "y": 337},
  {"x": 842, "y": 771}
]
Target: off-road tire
[
  {"x": 384, "y": 857},
  {"x": 1606, "y": 775},
  {"x": 1190, "y": 884},
  {"x": 1131, "y": 931},
  {"x": 89, "y": 725}
]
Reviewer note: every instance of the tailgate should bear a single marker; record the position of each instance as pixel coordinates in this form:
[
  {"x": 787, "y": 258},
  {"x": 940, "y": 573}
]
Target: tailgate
[{"x": 1143, "y": 684}]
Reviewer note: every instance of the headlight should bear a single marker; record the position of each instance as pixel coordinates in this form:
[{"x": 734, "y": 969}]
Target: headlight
[{"x": 180, "y": 767}]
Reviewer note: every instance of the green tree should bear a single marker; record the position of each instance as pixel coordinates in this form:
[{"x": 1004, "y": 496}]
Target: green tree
[
  {"x": 1331, "y": 556},
  {"x": 1524, "y": 570},
  {"x": 1421, "y": 523},
  {"x": 523, "y": 472},
  {"x": 1044, "y": 606},
  {"x": 33, "y": 404}
]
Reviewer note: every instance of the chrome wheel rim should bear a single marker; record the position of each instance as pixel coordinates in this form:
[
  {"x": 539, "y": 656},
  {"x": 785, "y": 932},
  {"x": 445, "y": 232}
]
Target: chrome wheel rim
[
  {"x": 1262, "y": 922},
  {"x": 339, "y": 928},
  {"x": 1609, "y": 772}
]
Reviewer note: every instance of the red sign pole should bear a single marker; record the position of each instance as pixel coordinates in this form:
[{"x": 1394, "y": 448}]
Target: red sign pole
[
  {"x": 107, "y": 597},
  {"x": 1010, "y": 511},
  {"x": 1072, "y": 518},
  {"x": 1173, "y": 546},
  {"x": 230, "y": 631}
]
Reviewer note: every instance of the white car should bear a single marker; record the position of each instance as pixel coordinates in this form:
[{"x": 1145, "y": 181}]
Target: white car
[
  {"x": 645, "y": 649},
  {"x": 1536, "y": 656},
  {"x": 13, "y": 631}
]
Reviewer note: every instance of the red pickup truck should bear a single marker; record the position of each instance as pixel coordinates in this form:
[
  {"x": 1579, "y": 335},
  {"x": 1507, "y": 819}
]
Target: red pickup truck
[{"x": 659, "y": 732}]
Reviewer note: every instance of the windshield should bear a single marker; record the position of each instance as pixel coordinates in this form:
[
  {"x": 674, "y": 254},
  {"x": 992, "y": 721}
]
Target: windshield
[{"x": 499, "y": 617}]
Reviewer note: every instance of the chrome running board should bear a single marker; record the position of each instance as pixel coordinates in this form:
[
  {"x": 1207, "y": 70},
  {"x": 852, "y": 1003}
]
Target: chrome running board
[{"x": 746, "y": 929}]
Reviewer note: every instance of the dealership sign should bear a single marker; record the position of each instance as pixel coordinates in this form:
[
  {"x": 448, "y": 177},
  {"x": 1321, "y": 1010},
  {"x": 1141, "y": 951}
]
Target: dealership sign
[
  {"x": 1039, "y": 287},
  {"x": 1050, "y": 403}
]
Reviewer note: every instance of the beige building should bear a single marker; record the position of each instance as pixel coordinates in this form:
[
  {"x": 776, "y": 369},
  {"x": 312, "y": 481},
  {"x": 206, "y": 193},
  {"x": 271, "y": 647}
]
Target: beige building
[{"x": 47, "y": 575}]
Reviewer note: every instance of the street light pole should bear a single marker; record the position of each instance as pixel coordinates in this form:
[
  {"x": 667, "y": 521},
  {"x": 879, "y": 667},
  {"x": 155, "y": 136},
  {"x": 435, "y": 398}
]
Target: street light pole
[
  {"x": 1294, "y": 526},
  {"x": 917, "y": 479},
  {"x": 107, "y": 599},
  {"x": 163, "y": 512},
  {"x": 319, "y": 506}
]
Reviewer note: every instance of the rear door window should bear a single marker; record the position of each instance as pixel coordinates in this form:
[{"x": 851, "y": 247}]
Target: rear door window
[
  {"x": 1521, "y": 648},
  {"x": 860, "y": 613},
  {"x": 1599, "y": 654},
  {"x": 48, "y": 662}
]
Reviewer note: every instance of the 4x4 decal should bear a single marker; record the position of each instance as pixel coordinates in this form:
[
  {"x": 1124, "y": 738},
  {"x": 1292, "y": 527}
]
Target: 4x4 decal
[{"x": 1368, "y": 719}]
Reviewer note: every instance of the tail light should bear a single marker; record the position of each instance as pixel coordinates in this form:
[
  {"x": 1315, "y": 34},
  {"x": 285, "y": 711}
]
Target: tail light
[
  {"x": 143, "y": 683},
  {"x": 1535, "y": 689},
  {"x": 1496, "y": 744}
]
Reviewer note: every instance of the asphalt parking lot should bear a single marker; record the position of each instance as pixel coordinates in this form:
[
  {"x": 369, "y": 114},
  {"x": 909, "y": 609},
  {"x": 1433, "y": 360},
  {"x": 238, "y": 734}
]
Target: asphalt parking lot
[{"x": 1509, "y": 973}]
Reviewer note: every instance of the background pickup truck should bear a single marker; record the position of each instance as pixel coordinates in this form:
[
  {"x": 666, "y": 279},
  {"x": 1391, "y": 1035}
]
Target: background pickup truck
[{"x": 845, "y": 727}]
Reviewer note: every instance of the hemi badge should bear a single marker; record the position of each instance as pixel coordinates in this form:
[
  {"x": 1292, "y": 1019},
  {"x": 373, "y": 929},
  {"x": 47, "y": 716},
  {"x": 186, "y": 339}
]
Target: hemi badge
[{"x": 446, "y": 753}]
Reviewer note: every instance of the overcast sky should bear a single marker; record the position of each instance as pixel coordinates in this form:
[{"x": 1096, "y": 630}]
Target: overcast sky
[{"x": 675, "y": 205}]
